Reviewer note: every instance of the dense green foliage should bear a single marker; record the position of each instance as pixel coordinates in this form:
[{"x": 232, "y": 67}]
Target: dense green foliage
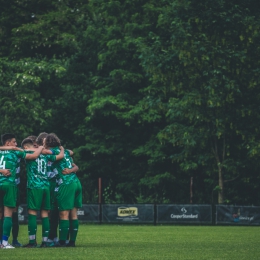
[
  {"x": 148, "y": 94},
  {"x": 149, "y": 242}
]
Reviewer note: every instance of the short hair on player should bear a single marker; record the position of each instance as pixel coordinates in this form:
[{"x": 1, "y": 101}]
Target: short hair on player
[
  {"x": 7, "y": 138},
  {"x": 27, "y": 141},
  {"x": 41, "y": 136},
  {"x": 32, "y": 137},
  {"x": 52, "y": 140}
]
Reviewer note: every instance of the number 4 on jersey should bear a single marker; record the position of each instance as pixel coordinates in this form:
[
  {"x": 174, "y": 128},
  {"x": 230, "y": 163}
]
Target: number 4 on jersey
[{"x": 2, "y": 163}]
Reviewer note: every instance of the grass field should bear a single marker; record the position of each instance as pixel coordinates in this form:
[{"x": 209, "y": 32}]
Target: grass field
[{"x": 149, "y": 242}]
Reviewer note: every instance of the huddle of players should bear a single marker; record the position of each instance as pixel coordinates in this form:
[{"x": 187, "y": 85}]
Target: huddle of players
[{"x": 52, "y": 188}]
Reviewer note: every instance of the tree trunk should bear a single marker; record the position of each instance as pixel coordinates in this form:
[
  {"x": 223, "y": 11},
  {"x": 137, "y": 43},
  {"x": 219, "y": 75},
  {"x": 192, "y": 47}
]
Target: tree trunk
[
  {"x": 221, "y": 186},
  {"x": 220, "y": 160}
]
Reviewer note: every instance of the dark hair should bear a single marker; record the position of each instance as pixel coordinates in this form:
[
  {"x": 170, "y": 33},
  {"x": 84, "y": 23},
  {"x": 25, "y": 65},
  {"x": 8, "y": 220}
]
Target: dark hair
[
  {"x": 7, "y": 138},
  {"x": 32, "y": 137},
  {"x": 40, "y": 138},
  {"x": 57, "y": 138},
  {"x": 52, "y": 140},
  {"x": 27, "y": 141}
]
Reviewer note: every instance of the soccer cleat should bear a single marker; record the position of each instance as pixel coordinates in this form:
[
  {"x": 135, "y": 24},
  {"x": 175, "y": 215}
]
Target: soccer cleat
[
  {"x": 16, "y": 244},
  {"x": 50, "y": 244},
  {"x": 8, "y": 246},
  {"x": 43, "y": 244},
  {"x": 70, "y": 244},
  {"x": 30, "y": 245},
  {"x": 60, "y": 245}
]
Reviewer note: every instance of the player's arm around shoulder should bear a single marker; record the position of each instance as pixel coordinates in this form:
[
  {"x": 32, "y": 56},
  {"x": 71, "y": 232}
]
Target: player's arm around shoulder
[
  {"x": 35, "y": 155},
  {"x": 75, "y": 168},
  {"x": 47, "y": 151},
  {"x": 44, "y": 151},
  {"x": 61, "y": 154},
  {"x": 13, "y": 148},
  {"x": 70, "y": 152}
]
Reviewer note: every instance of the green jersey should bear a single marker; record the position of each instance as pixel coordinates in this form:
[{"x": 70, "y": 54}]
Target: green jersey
[
  {"x": 59, "y": 166},
  {"x": 50, "y": 173},
  {"x": 9, "y": 160},
  {"x": 17, "y": 176},
  {"x": 37, "y": 177}
]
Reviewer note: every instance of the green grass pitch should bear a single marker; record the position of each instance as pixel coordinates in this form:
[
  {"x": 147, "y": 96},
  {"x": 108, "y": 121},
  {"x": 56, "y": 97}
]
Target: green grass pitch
[{"x": 148, "y": 242}]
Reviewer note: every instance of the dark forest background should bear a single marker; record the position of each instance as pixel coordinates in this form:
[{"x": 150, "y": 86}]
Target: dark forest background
[{"x": 148, "y": 94}]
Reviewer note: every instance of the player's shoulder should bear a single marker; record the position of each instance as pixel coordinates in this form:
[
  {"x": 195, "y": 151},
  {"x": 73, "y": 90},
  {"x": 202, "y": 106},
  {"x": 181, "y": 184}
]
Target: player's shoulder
[
  {"x": 67, "y": 152},
  {"x": 5, "y": 152},
  {"x": 55, "y": 150},
  {"x": 12, "y": 154},
  {"x": 29, "y": 151},
  {"x": 9, "y": 152},
  {"x": 46, "y": 156}
]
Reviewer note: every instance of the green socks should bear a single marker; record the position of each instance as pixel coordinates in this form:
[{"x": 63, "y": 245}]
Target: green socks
[
  {"x": 68, "y": 227},
  {"x": 32, "y": 228},
  {"x": 15, "y": 228},
  {"x": 63, "y": 229},
  {"x": 6, "y": 230},
  {"x": 74, "y": 226},
  {"x": 7, "y": 226},
  {"x": 45, "y": 229}
]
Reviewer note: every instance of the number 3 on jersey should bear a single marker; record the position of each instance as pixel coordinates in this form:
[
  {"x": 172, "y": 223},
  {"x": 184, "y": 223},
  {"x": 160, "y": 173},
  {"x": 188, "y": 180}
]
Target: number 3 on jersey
[{"x": 69, "y": 163}]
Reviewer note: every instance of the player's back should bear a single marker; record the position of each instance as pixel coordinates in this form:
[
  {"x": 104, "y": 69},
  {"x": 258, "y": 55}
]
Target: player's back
[
  {"x": 36, "y": 170},
  {"x": 9, "y": 160},
  {"x": 60, "y": 165}
]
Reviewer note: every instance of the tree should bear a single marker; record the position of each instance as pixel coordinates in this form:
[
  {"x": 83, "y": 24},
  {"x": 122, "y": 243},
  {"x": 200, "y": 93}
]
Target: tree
[
  {"x": 21, "y": 103},
  {"x": 203, "y": 57}
]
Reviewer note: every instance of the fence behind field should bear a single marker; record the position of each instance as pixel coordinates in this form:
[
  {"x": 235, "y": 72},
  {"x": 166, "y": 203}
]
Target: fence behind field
[{"x": 163, "y": 214}]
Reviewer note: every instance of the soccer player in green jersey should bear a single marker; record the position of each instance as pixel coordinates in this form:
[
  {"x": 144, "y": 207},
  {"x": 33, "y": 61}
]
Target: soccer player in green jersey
[
  {"x": 69, "y": 192},
  {"x": 38, "y": 192},
  {"x": 54, "y": 212},
  {"x": 8, "y": 187},
  {"x": 15, "y": 228},
  {"x": 52, "y": 175}
]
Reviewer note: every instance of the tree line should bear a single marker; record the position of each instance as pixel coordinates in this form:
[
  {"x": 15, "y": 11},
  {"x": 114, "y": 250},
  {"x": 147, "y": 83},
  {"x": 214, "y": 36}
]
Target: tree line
[{"x": 157, "y": 98}]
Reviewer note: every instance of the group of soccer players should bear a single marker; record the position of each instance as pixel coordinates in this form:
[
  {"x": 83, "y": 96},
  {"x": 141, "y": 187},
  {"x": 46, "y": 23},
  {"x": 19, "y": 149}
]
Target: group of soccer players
[{"x": 53, "y": 189}]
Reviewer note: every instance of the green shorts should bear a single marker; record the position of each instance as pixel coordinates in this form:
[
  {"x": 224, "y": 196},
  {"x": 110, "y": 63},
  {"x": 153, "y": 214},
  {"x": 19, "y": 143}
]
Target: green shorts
[
  {"x": 38, "y": 199},
  {"x": 70, "y": 196},
  {"x": 8, "y": 196},
  {"x": 54, "y": 204}
]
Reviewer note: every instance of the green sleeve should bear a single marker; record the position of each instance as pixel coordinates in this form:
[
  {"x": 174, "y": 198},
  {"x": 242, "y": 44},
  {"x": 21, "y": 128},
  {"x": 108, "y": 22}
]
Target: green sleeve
[
  {"x": 20, "y": 154},
  {"x": 51, "y": 158}
]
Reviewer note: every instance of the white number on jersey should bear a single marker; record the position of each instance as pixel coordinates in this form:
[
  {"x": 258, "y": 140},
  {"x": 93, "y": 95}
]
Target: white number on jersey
[
  {"x": 41, "y": 166},
  {"x": 68, "y": 161},
  {"x": 2, "y": 163}
]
